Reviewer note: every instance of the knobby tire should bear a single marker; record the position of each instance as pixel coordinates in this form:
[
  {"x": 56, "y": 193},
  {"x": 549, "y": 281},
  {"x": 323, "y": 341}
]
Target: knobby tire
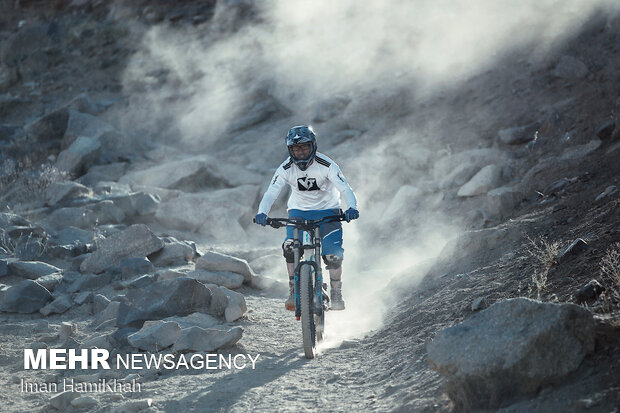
[{"x": 307, "y": 315}]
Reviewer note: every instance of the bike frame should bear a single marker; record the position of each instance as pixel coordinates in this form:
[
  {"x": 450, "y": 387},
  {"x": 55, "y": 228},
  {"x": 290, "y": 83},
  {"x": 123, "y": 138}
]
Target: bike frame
[{"x": 302, "y": 241}]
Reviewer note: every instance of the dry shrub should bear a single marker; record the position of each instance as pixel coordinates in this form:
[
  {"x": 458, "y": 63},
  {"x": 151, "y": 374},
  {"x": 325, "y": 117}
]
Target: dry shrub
[
  {"x": 610, "y": 270},
  {"x": 544, "y": 253}
]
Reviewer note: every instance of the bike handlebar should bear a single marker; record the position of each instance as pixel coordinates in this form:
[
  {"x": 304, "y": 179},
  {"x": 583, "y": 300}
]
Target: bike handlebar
[{"x": 302, "y": 223}]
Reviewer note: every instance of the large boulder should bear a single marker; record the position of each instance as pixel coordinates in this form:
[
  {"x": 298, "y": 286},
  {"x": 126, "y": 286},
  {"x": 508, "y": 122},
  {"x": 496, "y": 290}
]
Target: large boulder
[
  {"x": 135, "y": 241},
  {"x": 486, "y": 179},
  {"x": 228, "y": 304},
  {"x": 510, "y": 350},
  {"x": 85, "y": 124},
  {"x": 216, "y": 261},
  {"x": 215, "y": 213},
  {"x": 59, "y": 192},
  {"x": 175, "y": 252},
  {"x": 155, "y": 335},
  {"x": 82, "y": 151},
  {"x": 136, "y": 204},
  {"x": 176, "y": 297},
  {"x": 227, "y": 279},
  {"x": 207, "y": 339},
  {"x": 48, "y": 129},
  {"x": 32, "y": 269},
  {"x": 25, "y": 297}
]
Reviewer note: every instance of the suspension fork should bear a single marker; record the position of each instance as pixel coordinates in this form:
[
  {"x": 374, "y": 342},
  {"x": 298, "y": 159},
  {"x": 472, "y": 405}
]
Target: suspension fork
[
  {"x": 296, "y": 255},
  {"x": 318, "y": 274}
]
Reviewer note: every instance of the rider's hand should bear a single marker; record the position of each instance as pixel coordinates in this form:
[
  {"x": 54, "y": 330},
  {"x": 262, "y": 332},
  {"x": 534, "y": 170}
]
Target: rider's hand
[
  {"x": 351, "y": 214},
  {"x": 261, "y": 219}
]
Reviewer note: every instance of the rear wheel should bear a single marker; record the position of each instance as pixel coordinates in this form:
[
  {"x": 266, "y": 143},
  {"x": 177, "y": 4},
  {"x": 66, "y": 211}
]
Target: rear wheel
[{"x": 306, "y": 293}]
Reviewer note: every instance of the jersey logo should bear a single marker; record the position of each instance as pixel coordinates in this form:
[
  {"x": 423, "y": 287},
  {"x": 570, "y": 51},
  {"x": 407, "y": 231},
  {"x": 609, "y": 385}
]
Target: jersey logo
[{"x": 307, "y": 184}]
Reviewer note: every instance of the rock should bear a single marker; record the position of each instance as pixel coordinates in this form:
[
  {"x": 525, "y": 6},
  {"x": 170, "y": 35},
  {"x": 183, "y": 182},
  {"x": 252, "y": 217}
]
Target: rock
[
  {"x": 107, "y": 172},
  {"x": 502, "y": 201},
  {"x": 405, "y": 199},
  {"x": 610, "y": 190},
  {"x": 61, "y": 304},
  {"x": 137, "y": 240},
  {"x": 180, "y": 296},
  {"x": 345, "y": 135},
  {"x": 155, "y": 335},
  {"x": 38, "y": 345},
  {"x": 90, "y": 282},
  {"x": 32, "y": 269},
  {"x": 83, "y": 297},
  {"x": 133, "y": 406},
  {"x": 229, "y": 304},
  {"x": 486, "y": 179},
  {"x": 216, "y": 213},
  {"x": 137, "y": 204},
  {"x": 478, "y": 304},
  {"x": 85, "y": 125},
  {"x": 51, "y": 281},
  {"x": 81, "y": 217},
  {"x": 458, "y": 176},
  {"x": 580, "y": 151},
  {"x": 110, "y": 313},
  {"x": 590, "y": 291},
  {"x": 62, "y": 401},
  {"x": 174, "y": 253},
  {"x": 67, "y": 329},
  {"x": 4, "y": 268},
  {"x": 7, "y": 220},
  {"x": 25, "y": 297},
  {"x": 329, "y": 108},
  {"x": 99, "y": 303},
  {"x": 143, "y": 281},
  {"x": 578, "y": 246},
  {"x": 226, "y": 279},
  {"x": 518, "y": 135},
  {"x": 84, "y": 402},
  {"x": 48, "y": 129},
  {"x": 201, "y": 339},
  {"x": 510, "y": 350},
  {"x": 135, "y": 266},
  {"x": 201, "y": 320},
  {"x": 60, "y": 192},
  {"x": 188, "y": 175},
  {"x": 73, "y": 236},
  {"x": 266, "y": 109},
  {"x": 83, "y": 151},
  {"x": 570, "y": 68},
  {"x": 606, "y": 129},
  {"x": 98, "y": 341},
  {"x": 215, "y": 261},
  {"x": 473, "y": 157},
  {"x": 120, "y": 336}
]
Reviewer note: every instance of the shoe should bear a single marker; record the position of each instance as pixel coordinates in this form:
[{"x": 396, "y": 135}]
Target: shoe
[
  {"x": 290, "y": 301},
  {"x": 337, "y": 303}
]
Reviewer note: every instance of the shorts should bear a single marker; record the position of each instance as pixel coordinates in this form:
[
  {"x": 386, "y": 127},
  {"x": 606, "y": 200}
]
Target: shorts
[{"x": 331, "y": 232}]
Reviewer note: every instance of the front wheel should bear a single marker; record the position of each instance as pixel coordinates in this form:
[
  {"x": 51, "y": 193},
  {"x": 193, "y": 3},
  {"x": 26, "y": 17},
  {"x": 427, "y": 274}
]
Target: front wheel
[{"x": 306, "y": 293}]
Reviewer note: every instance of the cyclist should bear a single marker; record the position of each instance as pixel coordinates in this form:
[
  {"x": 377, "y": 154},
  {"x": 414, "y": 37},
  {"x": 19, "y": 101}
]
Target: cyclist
[{"x": 316, "y": 182}]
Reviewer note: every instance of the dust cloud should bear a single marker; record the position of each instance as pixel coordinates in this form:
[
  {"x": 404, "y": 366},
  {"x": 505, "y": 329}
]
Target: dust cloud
[{"x": 305, "y": 51}]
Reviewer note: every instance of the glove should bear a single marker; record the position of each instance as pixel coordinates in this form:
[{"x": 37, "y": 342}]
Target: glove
[
  {"x": 261, "y": 219},
  {"x": 351, "y": 214}
]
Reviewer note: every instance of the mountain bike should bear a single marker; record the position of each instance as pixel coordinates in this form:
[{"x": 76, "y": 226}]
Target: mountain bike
[{"x": 311, "y": 299}]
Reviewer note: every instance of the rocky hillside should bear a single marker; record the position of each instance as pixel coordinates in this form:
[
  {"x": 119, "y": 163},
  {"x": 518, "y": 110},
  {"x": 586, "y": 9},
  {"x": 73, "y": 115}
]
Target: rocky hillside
[{"x": 137, "y": 138}]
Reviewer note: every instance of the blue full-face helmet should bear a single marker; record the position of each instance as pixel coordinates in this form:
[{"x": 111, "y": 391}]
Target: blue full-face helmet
[{"x": 299, "y": 135}]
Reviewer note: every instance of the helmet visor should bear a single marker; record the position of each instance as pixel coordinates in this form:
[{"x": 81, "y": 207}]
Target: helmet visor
[{"x": 301, "y": 151}]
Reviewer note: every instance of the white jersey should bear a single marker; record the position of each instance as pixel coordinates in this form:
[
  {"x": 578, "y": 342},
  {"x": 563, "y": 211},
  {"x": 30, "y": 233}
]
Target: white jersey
[{"x": 318, "y": 187}]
